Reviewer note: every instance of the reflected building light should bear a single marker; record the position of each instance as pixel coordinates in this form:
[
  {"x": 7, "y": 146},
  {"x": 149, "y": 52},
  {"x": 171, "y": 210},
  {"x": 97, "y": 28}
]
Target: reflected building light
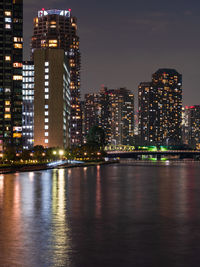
[
  {"x": 98, "y": 193},
  {"x": 31, "y": 175}
]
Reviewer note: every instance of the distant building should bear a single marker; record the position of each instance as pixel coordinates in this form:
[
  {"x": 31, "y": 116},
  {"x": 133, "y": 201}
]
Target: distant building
[
  {"x": 192, "y": 126},
  {"x": 57, "y": 29},
  {"x": 92, "y": 109},
  {"x": 11, "y": 46},
  {"x": 51, "y": 98},
  {"x": 122, "y": 116},
  {"x": 28, "y": 105},
  {"x": 148, "y": 123},
  {"x": 160, "y": 109},
  {"x": 112, "y": 110}
]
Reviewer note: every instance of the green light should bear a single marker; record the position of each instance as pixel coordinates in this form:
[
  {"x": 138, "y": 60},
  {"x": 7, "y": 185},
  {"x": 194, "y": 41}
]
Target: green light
[
  {"x": 152, "y": 148},
  {"x": 153, "y": 159}
]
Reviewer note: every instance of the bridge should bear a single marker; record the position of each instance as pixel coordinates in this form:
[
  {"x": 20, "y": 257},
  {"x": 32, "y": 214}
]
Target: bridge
[{"x": 153, "y": 152}]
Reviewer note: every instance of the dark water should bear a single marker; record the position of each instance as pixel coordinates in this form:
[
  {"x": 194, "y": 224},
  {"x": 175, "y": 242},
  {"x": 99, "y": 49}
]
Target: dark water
[{"x": 116, "y": 215}]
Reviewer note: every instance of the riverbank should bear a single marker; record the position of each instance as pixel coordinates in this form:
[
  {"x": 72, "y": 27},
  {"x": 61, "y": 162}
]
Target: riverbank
[{"x": 44, "y": 166}]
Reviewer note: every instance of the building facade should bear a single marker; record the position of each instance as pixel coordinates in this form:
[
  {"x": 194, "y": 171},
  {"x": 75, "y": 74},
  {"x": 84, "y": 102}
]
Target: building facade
[
  {"x": 51, "y": 98},
  {"x": 57, "y": 29},
  {"x": 160, "y": 109},
  {"x": 28, "y": 105},
  {"x": 191, "y": 127},
  {"x": 11, "y": 46},
  {"x": 113, "y": 111}
]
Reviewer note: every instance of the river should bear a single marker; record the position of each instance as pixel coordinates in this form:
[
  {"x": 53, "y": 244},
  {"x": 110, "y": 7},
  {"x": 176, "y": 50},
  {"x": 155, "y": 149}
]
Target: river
[{"x": 127, "y": 214}]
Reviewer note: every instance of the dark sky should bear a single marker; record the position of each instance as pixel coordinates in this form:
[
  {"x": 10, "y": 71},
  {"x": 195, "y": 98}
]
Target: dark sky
[{"x": 123, "y": 42}]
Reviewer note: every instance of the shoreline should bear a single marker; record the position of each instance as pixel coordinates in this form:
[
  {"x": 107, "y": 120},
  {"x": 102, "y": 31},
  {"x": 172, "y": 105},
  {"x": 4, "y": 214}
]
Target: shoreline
[{"x": 44, "y": 166}]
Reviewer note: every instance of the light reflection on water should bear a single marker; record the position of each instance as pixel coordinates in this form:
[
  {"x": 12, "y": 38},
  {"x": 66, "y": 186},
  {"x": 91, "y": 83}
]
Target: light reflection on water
[{"x": 128, "y": 214}]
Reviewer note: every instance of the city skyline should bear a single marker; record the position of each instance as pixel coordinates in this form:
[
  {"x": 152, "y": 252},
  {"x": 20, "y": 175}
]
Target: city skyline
[{"x": 151, "y": 37}]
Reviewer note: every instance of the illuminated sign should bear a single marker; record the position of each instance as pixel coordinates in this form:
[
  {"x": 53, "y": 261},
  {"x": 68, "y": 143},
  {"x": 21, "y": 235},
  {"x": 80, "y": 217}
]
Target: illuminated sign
[{"x": 65, "y": 13}]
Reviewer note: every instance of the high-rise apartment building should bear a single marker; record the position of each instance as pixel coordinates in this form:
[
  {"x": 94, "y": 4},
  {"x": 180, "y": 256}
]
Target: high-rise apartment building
[
  {"x": 112, "y": 110},
  {"x": 148, "y": 124},
  {"x": 122, "y": 116},
  {"x": 191, "y": 126},
  {"x": 51, "y": 98},
  {"x": 57, "y": 29},
  {"x": 11, "y": 46},
  {"x": 160, "y": 108},
  {"x": 28, "y": 105},
  {"x": 92, "y": 111}
]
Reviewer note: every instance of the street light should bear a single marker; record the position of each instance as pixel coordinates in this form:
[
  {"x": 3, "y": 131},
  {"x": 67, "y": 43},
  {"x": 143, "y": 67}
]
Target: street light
[{"x": 61, "y": 152}]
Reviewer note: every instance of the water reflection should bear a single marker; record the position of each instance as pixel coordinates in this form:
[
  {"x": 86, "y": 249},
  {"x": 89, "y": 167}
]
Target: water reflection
[{"x": 120, "y": 215}]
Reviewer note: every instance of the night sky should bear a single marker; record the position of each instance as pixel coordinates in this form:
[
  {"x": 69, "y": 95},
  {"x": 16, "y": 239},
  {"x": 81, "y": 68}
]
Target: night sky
[{"x": 123, "y": 42}]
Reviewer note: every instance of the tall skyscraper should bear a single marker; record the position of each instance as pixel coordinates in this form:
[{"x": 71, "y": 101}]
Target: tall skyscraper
[
  {"x": 28, "y": 105},
  {"x": 58, "y": 29},
  {"x": 51, "y": 98},
  {"x": 11, "y": 46},
  {"x": 160, "y": 108}
]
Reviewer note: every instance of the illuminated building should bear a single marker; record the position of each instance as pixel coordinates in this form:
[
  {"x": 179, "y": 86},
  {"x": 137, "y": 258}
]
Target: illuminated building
[
  {"x": 51, "y": 98},
  {"x": 112, "y": 110},
  {"x": 28, "y": 104},
  {"x": 192, "y": 126},
  {"x": 160, "y": 108},
  {"x": 11, "y": 36},
  {"x": 92, "y": 109},
  {"x": 57, "y": 29},
  {"x": 148, "y": 126}
]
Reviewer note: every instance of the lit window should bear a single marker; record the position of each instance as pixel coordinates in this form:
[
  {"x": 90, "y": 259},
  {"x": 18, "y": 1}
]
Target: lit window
[
  {"x": 17, "y": 135},
  {"x": 7, "y": 116},
  {"x": 46, "y": 141},
  {"x": 18, "y": 46},
  {"x": 17, "y": 65},
  {"x": 46, "y": 134},
  {"x": 46, "y": 77},
  {"x": 46, "y": 96},
  {"x": 46, "y": 120},
  {"x": 52, "y": 45},
  {"x": 46, "y": 83},
  {"x": 47, "y": 70},
  {"x": 46, "y": 113},
  {"x": 46, "y": 106},
  {"x": 53, "y": 41},
  {"x": 8, "y": 20},
  {"x": 46, "y": 127},
  {"x": 7, "y": 26},
  {"x": 7, "y": 109},
  {"x": 17, "y": 39},
  {"x": 7, "y": 13},
  {"x": 17, "y": 78},
  {"x": 7, "y": 58},
  {"x": 46, "y": 64},
  {"x": 7, "y": 103},
  {"x": 46, "y": 90}
]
